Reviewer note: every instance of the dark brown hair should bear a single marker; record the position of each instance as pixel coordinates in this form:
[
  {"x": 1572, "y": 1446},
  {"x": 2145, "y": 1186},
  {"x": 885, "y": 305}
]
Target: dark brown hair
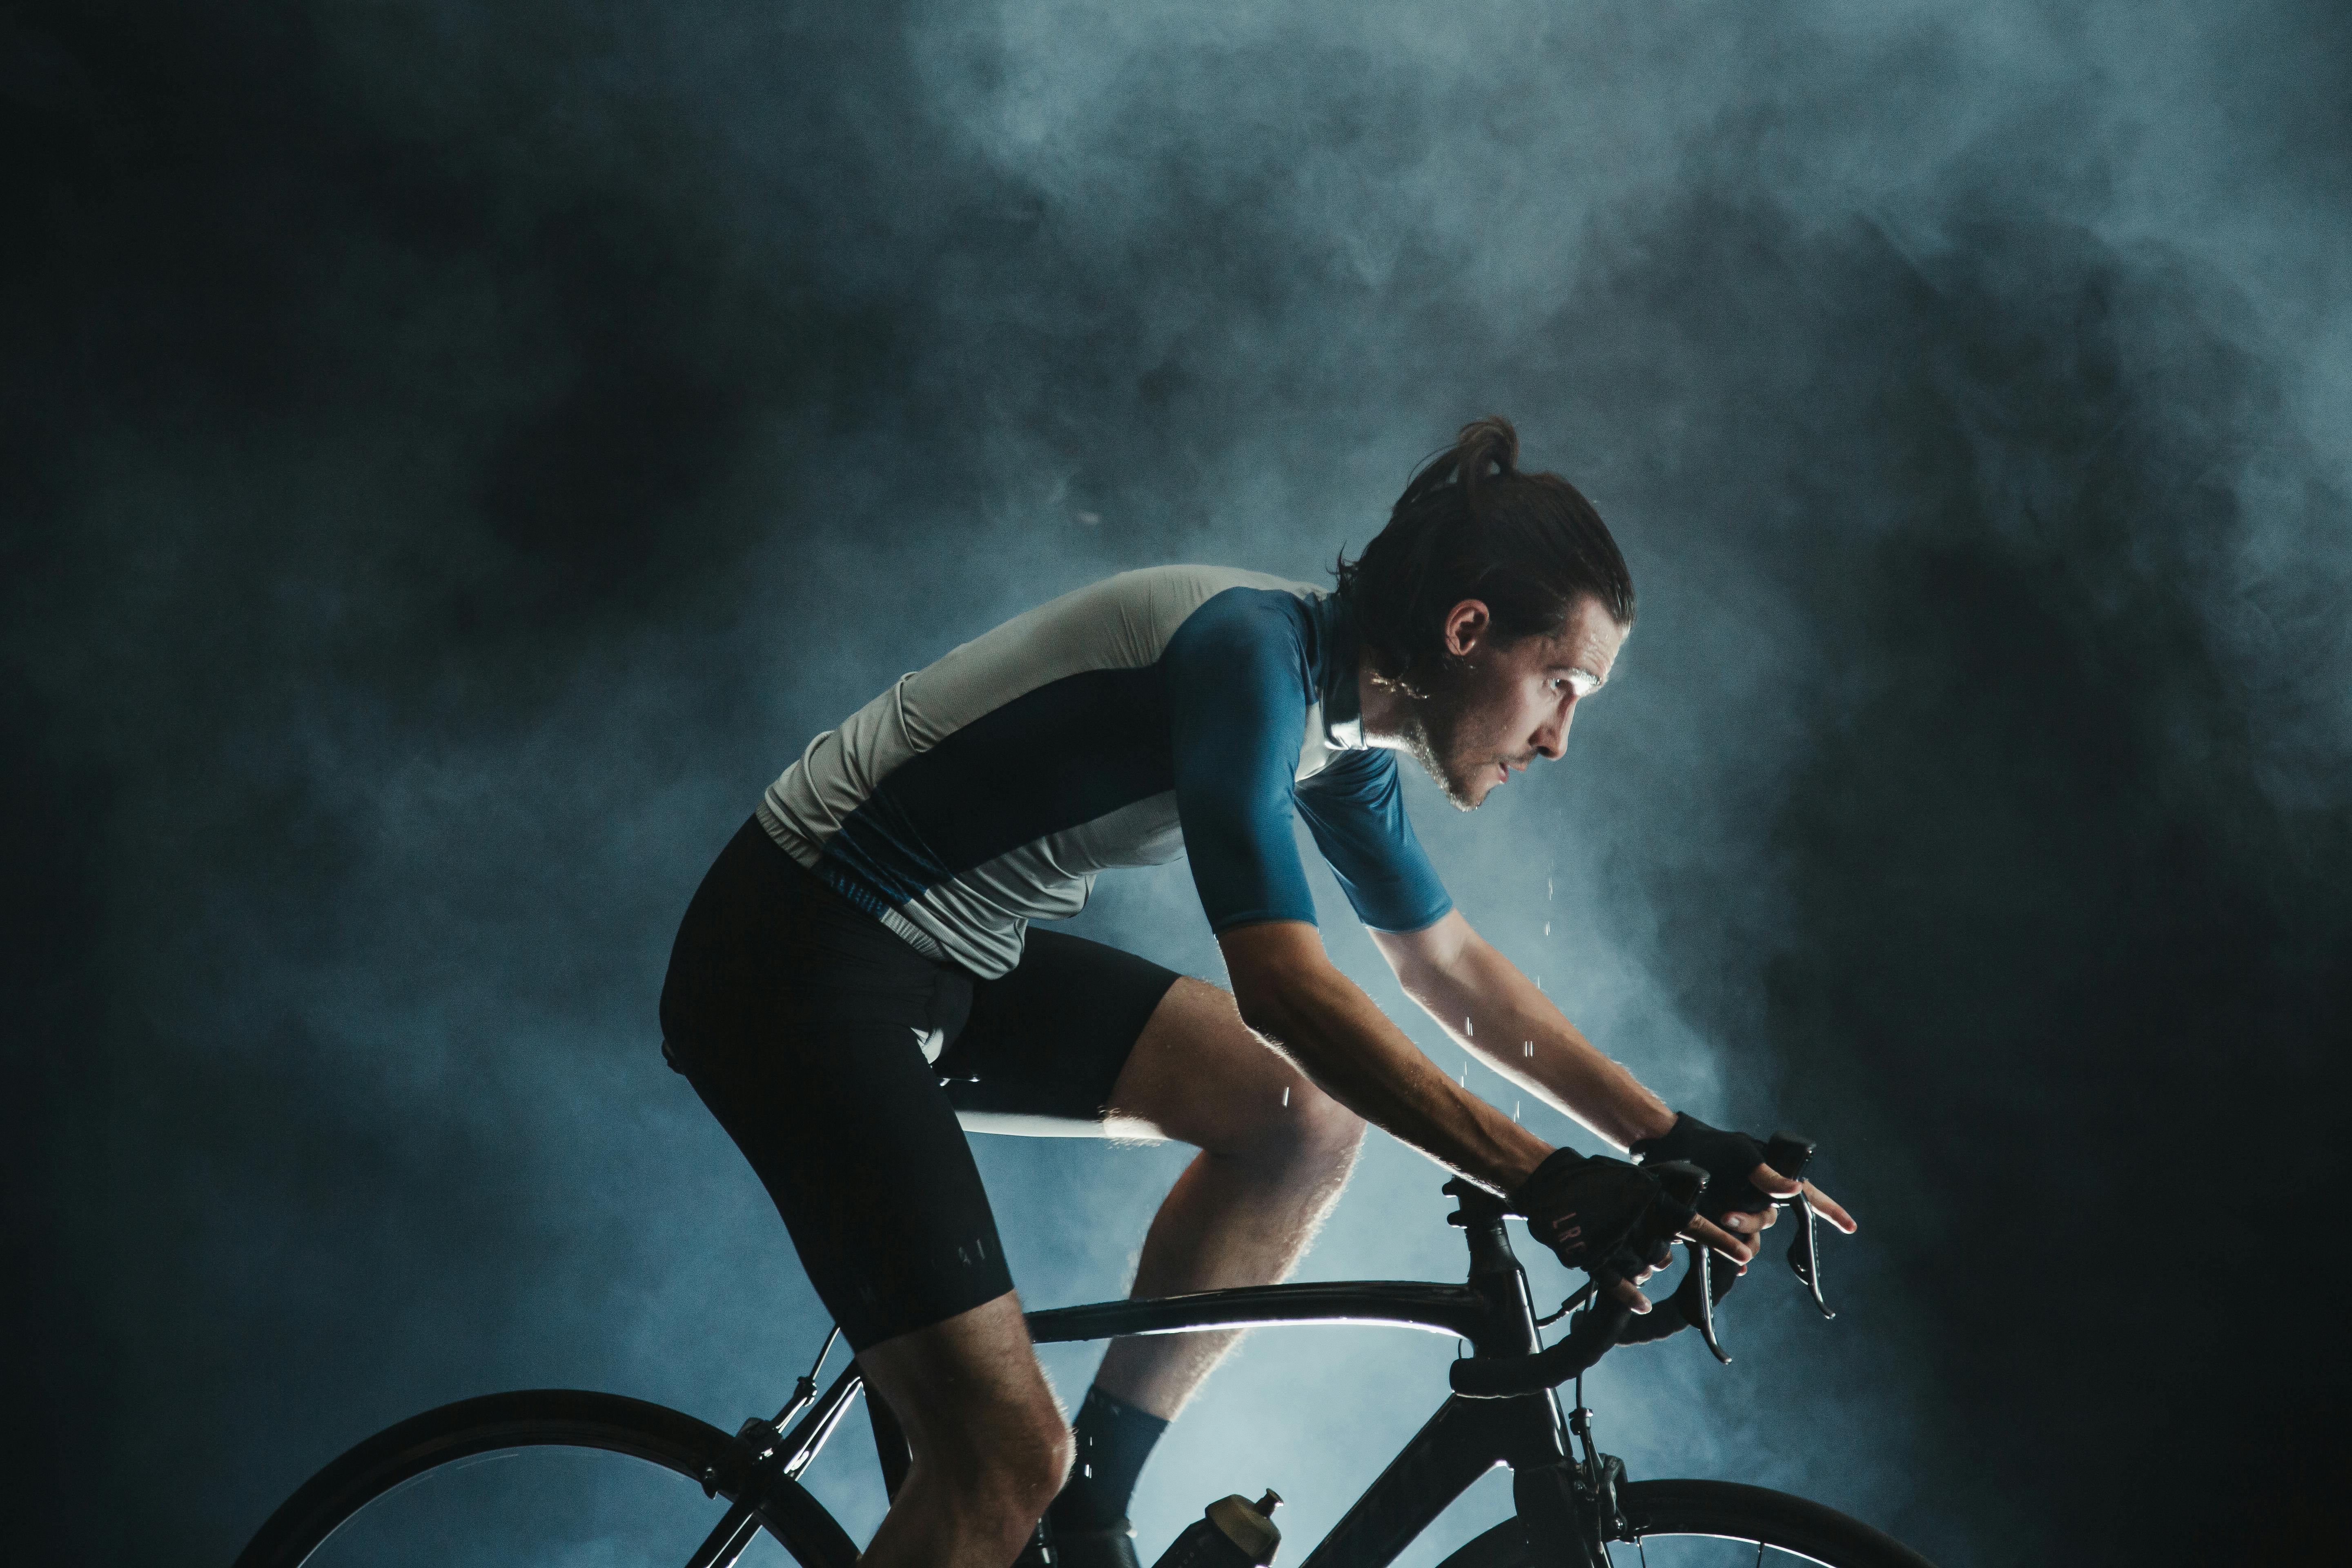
[{"x": 1470, "y": 525}]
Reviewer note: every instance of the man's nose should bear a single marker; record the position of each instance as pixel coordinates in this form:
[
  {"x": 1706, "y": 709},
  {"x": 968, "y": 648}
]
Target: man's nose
[{"x": 1551, "y": 741}]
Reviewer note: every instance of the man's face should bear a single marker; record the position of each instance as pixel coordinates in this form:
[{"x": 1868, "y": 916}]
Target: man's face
[{"x": 1497, "y": 706}]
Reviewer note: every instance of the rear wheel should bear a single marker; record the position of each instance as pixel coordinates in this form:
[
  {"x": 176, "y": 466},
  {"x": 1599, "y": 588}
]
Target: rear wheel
[
  {"x": 585, "y": 1478},
  {"x": 1712, "y": 1524}
]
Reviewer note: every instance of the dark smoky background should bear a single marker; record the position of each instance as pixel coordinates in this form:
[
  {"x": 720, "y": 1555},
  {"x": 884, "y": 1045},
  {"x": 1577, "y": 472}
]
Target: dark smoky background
[{"x": 456, "y": 455}]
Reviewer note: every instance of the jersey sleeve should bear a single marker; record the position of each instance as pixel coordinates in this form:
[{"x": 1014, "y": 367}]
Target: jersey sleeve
[
  {"x": 1356, "y": 811},
  {"x": 1237, "y": 712}
]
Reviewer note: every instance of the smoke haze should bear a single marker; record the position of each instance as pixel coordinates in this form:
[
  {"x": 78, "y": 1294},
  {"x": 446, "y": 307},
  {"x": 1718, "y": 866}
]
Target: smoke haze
[{"x": 456, "y": 455}]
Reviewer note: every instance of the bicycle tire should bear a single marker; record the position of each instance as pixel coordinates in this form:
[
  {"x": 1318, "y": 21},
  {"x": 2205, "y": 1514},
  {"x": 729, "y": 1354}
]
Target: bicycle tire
[
  {"x": 539, "y": 1418},
  {"x": 1725, "y": 1511}
]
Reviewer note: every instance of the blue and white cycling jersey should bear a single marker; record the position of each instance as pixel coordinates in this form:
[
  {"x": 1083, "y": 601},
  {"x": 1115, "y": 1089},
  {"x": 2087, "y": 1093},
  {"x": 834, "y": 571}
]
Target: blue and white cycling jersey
[{"x": 1175, "y": 710}]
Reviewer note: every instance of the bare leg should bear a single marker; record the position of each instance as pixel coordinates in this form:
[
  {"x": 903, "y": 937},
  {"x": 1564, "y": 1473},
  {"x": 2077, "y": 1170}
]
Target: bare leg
[
  {"x": 1274, "y": 1153},
  {"x": 990, "y": 1445}
]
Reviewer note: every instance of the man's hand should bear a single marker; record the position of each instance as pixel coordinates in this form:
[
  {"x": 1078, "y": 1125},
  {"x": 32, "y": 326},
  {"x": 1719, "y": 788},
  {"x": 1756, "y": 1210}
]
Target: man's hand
[
  {"x": 1612, "y": 1219},
  {"x": 1741, "y": 1187}
]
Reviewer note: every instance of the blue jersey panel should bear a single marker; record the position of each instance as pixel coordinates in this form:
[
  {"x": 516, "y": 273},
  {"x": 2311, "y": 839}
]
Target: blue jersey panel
[
  {"x": 1238, "y": 673},
  {"x": 1356, "y": 811}
]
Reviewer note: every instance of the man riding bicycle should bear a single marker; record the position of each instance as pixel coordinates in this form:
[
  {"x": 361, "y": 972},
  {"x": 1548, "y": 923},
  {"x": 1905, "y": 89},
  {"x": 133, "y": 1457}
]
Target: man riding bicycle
[{"x": 856, "y": 980}]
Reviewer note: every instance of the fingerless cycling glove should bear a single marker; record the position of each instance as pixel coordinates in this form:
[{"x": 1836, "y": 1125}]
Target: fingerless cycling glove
[
  {"x": 1590, "y": 1210},
  {"x": 1725, "y": 1157}
]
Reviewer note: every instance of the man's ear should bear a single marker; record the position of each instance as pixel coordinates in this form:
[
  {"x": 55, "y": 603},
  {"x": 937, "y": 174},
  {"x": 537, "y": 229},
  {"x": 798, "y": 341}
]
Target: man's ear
[{"x": 1467, "y": 625}]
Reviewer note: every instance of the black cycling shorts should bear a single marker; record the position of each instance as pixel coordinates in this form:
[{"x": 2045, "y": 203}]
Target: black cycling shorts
[{"x": 801, "y": 1021}]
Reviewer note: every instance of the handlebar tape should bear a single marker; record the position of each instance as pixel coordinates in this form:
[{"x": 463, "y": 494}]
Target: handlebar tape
[{"x": 1588, "y": 1338}]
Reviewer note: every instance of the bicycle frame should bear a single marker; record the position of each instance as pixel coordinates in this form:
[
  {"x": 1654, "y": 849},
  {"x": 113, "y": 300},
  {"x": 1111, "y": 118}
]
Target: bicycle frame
[{"x": 1465, "y": 1438}]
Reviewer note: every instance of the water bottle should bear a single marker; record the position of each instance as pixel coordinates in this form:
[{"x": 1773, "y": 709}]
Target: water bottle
[{"x": 1233, "y": 1533}]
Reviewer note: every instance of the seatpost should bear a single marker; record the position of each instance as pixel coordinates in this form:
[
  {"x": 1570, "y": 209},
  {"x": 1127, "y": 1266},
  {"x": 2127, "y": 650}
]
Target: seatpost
[{"x": 1495, "y": 1272}]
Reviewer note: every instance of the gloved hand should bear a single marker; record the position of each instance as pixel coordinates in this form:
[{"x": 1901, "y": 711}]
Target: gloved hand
[
  {"x": 1729, "y": 1160},
  {"x": 1600, "y": 1214}
]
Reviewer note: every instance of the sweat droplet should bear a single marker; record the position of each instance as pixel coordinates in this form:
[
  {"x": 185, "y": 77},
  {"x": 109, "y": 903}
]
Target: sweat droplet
[
  {"x": 1530, "y": 1047},
  {"x": 1466, "y": 1028},
  {"x": 1285, "y": 1094}
]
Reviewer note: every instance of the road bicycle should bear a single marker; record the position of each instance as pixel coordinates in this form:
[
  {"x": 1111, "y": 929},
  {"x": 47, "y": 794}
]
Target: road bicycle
[{"x": 1573, "y": 1505}]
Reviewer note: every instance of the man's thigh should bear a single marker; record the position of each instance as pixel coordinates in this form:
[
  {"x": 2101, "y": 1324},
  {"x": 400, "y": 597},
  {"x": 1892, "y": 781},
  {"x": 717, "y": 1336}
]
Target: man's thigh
[
  {"x": 1041, "y": 1052},
  {"x": 1198, "y": 1074},
  {"x": 1083, "y": 1040}
]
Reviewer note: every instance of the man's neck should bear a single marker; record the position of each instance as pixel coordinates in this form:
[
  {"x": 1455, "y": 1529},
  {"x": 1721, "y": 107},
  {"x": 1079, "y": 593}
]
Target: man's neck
[{"x": 1382, "y": 707}]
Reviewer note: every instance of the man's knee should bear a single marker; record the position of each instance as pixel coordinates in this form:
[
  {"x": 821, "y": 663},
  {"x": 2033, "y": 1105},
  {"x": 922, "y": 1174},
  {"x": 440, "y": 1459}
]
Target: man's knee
[
  {"x": 1006, "y": 1469},
  {"x": 1017, "y": 1449},
  {"x": 1030, "y": 1456},
  {"x": 1306, "y": 1129},
  {"x": 1325, "y": 1127},
  {"x": 978, "y": 1413}
]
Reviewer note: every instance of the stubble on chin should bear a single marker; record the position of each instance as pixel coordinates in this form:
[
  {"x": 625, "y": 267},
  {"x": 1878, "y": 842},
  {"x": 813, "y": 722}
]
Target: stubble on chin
[{"x": 1432, "y": 737}]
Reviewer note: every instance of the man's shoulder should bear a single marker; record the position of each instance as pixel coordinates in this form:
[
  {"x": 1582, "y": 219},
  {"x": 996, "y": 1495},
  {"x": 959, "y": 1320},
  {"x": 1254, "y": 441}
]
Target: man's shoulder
[
  {"x": 1139, "y": 611},
  {"x": 1224, "y": 606},
  {"x": 1174, "y": 595}
]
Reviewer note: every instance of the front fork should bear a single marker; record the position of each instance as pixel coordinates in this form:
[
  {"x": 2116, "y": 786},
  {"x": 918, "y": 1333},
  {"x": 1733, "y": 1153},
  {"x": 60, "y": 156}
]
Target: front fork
[{"x": 1571, "y": 1508}]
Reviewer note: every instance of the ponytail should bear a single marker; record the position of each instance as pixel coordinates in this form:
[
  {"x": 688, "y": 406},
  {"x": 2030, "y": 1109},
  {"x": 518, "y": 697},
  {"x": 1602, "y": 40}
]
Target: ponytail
[{"x": 1470, "y": 525}]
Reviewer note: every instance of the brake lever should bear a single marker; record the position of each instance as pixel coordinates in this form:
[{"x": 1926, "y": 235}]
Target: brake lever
[
  {"x": 1703, "y": 1265},
  {"x": 1789, "y": 1154}
]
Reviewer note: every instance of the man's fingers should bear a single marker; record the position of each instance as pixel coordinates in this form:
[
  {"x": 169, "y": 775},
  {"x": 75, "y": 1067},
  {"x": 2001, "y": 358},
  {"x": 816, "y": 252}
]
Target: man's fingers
[
  {"x": 1828, "y": 1208},
  {"x": 1770, "y": 1181},
  {"x": 1709, "y": 1233},
  {"x": 1632, "y": 1298}
]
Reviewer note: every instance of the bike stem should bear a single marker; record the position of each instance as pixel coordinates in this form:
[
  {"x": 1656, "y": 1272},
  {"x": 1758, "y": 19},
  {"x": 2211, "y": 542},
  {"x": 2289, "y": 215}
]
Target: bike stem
[{"x": 1467, "y": 1438}]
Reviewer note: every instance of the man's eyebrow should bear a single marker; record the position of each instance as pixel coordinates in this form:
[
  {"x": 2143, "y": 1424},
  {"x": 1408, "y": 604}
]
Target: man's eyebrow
[{"x": 1598, "y": 680}]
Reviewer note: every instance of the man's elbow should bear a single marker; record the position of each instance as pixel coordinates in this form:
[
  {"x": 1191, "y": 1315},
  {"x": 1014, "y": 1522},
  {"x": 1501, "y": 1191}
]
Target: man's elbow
[{"x": 1265, "y": 1008}]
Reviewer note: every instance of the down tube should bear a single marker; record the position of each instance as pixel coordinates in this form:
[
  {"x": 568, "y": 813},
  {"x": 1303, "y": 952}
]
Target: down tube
[{"x": 1462, "y": 1441}]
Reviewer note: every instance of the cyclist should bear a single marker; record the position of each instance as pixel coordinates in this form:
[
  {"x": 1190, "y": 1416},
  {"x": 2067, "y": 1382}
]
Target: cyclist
[{"x": 858, "y": 970}]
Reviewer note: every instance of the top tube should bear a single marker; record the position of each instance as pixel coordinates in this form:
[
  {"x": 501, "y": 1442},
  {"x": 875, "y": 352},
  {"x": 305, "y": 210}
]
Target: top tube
[{"x": 1452, "y": 1310}]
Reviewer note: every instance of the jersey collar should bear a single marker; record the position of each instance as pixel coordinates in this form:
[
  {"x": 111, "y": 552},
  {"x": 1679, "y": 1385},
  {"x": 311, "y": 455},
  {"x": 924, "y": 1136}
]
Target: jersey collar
[{"x": 1334, "y": 685}]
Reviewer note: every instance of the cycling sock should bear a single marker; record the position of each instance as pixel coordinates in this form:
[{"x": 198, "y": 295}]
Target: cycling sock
[{"x": 1113, "y": 1438}]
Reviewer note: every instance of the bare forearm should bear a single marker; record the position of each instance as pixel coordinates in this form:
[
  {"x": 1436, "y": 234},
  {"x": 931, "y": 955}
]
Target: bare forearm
[
  {"x": 1515, "y": 1028},
  {"x": 1339, "y": 1038}
]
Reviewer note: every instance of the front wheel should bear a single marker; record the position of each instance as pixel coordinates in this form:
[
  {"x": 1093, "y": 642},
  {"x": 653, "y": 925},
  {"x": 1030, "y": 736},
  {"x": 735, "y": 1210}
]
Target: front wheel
[
  {"x": 1684, "y": 1524},
  {"x": 588, "y": 1476}
]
